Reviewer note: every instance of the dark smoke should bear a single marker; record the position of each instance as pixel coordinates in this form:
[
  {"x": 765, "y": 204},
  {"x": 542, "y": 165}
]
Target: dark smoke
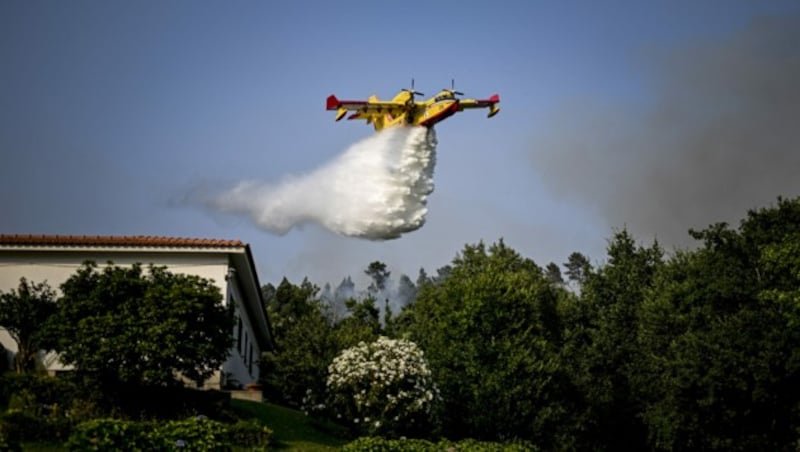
[{"x": 720, "y": 135}]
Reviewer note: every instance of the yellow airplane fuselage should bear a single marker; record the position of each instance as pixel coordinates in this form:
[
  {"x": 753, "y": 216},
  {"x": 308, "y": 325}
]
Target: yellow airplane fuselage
[
  {"x": 426, "y": 113},
  {"x": 403, "y": 110}
]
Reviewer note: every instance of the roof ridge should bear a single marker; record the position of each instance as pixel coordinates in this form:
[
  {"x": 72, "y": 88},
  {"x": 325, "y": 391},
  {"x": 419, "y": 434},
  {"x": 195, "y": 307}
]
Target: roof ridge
[{"x": 115, "y": 240}]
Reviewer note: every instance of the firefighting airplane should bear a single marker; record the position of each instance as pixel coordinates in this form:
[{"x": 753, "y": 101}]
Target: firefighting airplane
[{"x": 404, "y": 110}]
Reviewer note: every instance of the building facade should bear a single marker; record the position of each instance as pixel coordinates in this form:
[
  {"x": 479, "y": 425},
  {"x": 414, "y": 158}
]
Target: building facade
[{"x": 229, "y": 263}]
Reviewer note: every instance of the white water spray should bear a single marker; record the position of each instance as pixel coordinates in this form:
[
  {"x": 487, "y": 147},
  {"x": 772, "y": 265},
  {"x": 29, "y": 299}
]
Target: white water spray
[{"x": 376, "y": 190}]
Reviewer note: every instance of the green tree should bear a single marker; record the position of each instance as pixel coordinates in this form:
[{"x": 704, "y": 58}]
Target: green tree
[
  {"x": 721, "y": 335},
  {"x": 125, "y": 325},
  {"x": 491, "y": 333},
  {"x": 307, "y": 338},
  {"x": 407, "y": 296},
  {"x": 442, "y": 273},
  {"x": 380, "y": 276},
  {"x": 294, "y": 373},
  {"x": 406, "y": 291},
  {"x": 362, "y": 323},
  {"x": 578, "y": 267},
  {"x": 553, "y": 273},
  {"x": 422, "y": 278},
  {"x": 603, "y": 338},
  {"x": 22, "y": 313},
  {"x": 379, "y": 289},
  {"x": 343, "y": 292},
  {"x": 288, "y": 303}
]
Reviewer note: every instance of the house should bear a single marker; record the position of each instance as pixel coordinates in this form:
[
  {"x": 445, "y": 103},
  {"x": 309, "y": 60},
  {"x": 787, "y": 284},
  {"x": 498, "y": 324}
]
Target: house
[{"x": 229, "y": 263}]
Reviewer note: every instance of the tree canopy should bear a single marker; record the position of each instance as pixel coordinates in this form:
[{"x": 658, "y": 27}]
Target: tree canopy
[
  {"x": 128, "y": 325},
  {"x": 720, "y": 335},
  {"x": 491, "y": 333},
  {"x": 697, "y": 349},
  {"x": 22, "y": 313},
  {"x": 304, "y": 343}
]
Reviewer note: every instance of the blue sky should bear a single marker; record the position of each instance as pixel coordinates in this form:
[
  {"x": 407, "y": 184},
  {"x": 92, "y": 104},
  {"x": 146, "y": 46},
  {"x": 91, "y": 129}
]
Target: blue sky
[{"x": 112, "y": 112}]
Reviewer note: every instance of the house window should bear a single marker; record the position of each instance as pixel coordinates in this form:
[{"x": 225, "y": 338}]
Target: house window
[
  {"x": 250, "y": 354},
  {"x": 239, "y": 336}
]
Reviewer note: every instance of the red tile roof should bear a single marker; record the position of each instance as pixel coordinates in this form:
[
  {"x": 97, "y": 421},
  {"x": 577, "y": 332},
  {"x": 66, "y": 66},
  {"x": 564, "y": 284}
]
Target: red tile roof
[{"x": 122, "y": 240}]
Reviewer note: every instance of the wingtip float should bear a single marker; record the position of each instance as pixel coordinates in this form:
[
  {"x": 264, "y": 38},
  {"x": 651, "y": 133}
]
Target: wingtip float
[{"x": 404, "y": 110}]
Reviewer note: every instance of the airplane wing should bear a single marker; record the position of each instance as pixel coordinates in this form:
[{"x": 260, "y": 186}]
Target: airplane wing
[
  {"x": 481, "y": 103},
  {"x": 364, "y": 108}
]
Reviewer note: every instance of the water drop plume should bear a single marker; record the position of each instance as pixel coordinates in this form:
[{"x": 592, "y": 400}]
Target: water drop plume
[{"x": 377, "y": 189}]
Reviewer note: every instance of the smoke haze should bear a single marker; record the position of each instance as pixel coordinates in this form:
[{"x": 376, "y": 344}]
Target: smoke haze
[
  {"x": 377, "y": 189},
  {"x": 721, "y": 135}
]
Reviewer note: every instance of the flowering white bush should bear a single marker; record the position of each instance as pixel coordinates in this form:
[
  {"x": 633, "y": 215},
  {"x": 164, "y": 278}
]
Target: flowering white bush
[{"x": 382, "y": 388}]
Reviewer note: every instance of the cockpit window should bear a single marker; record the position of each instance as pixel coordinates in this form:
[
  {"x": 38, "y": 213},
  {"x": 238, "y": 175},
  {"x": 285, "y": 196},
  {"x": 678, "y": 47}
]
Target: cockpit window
[{"x": 444, "y": 96}]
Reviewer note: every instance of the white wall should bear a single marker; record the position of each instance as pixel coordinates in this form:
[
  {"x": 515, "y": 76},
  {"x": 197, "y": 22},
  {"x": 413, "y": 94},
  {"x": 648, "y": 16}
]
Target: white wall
[{"x": 238, "y": 364}]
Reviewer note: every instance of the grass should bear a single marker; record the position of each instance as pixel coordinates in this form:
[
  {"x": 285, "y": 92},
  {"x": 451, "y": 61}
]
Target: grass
[{"x": 292, "y": 430}]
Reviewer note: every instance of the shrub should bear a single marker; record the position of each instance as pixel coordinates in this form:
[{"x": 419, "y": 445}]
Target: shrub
[
  {"x": 24, "y": 401},
  {"x": 9, "y": 440},
  {"x": 373, "y": 444},
  {"x": 471, "y": 445},
  {"x": 198, "y": 433},
  {"x": 47, "y": 390},
  {"x": 19, "y": 425},
  {"x": 5, "y": 356},
  {"x": 40, "y": 408},
  {"x": 112, "y": 434},
  {"x": 382, "y": 388},
  {"x": 250, "y": 433},
  {"x": 165, "y": 402},
  {"x": 35, "y": 427},
  {"x": 81, "y": 409}
]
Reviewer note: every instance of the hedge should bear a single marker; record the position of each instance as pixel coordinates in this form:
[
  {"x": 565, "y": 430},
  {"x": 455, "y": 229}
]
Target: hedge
[
  {"x": 375, "y": 444},
  {"x": 197, "y": 434}
]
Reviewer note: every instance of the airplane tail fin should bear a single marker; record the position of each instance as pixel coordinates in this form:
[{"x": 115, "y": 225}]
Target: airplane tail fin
[{"x": 332, "y": 103}]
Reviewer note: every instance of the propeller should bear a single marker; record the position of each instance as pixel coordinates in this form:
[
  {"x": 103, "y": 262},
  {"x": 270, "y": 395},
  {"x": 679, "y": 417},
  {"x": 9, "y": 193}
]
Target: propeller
[
  {"x": 453, "y": 88},
  {"x": 416, "y": 93}
]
